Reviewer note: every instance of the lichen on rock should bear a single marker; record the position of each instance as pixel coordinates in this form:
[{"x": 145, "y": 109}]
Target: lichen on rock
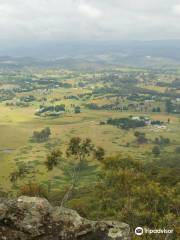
[{"x": 28, "y": 218}]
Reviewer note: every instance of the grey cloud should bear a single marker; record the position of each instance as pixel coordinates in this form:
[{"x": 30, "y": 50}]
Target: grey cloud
[{"x": 52, "y": 20}]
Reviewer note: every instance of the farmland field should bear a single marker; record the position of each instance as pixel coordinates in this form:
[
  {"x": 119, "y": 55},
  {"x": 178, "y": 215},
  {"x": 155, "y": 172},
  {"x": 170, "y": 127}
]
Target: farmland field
[
  {"x": 17, "y": 123},
  {"x": 123, "y": 111}
]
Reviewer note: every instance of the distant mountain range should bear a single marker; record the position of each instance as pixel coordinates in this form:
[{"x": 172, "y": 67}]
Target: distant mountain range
[{"x": 94, "y": 54}]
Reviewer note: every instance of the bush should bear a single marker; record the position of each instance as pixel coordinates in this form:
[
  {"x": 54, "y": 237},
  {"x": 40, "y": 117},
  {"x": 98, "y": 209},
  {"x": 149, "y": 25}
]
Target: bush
[
  {"x": 177, "y": 150},
  {"x": 141, "y": 137},
  {"x": 156, "y": 151},
  {"x": 33, "y": 190},
  {"x": 43, "y": 135},
  {"x": 77, "y": 109}
]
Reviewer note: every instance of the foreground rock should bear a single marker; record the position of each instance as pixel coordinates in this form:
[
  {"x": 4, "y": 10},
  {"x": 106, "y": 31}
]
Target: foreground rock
[{"x": 30, "y": 218}]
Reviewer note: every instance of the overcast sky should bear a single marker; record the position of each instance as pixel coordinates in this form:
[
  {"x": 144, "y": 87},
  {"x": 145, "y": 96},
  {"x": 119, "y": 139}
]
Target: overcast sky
[{"x": 67, "y": 20}]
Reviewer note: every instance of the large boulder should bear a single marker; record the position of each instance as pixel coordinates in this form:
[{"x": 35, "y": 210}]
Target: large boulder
[{"x": 28, "y": 218}]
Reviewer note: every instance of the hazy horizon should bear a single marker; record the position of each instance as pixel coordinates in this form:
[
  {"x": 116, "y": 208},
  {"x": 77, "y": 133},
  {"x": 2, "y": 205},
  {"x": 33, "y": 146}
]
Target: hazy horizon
[{"x": 34, "y": 24}]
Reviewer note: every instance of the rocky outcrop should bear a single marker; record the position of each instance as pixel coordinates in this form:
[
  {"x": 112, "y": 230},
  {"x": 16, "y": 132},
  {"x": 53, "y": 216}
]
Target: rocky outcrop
[{"x": 32, "y": 218}]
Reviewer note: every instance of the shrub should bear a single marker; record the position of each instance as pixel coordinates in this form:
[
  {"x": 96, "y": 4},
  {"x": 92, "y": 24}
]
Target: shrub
[
  {"x": 156, "y": 151},
  {"x": 33, "y": 190}
]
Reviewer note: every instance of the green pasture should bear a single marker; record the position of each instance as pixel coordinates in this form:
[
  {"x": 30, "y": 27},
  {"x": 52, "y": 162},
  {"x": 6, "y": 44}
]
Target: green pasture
[
  {"x": 18, "y": 123},
  {"x": 17, "y": 126}
]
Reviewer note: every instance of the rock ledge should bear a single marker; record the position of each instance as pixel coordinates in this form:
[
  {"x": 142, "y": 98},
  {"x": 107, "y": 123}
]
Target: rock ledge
[{"x": 30, "y": 218}]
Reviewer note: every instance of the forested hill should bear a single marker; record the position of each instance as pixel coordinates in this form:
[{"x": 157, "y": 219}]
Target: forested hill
[{"x": 94, "y": 55}]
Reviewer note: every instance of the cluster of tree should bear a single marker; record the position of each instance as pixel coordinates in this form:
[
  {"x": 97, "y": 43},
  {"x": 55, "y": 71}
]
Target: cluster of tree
[
  {"x": 25, "y": 88},
  {"x": 77, "y": 109},
  {"x": 156, "y": 109},
  {"x": 29, "y": 98},
  {"x": 140, "y": 137},
  {"x": 50, "y": 82},
  {"x": 71, "y": 97},
  {"x": 156, "y": 151},
  {"x": 42, "y": 135},
  {"x": 18, "y": 104},
  {"x": 6, "y": 94},
  {"x": 81, "y": 84},
  {"x": 105, "y": 90},
  {"x": 169, "y": 106},
  {"x": 156, "y": 122},
  {"x": 126, "y": 123},
  {"x": 50, "y": 110},
  {"x": 141, "y": 194},
  {"x": 163, "y": 84},
  {"x": 161, "y": 141},
  {"x": 177, "y": 150},
  {"x": 139, "y": 97},
  {"x": 92, "y": 106},
  {"x": 27, "y": 85},
  {"x": 176, "y": 83},
  {"x": 65, "y": 85},
  {"x": 47, "y": 81},
  {"x": 113, "y": 106}
]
